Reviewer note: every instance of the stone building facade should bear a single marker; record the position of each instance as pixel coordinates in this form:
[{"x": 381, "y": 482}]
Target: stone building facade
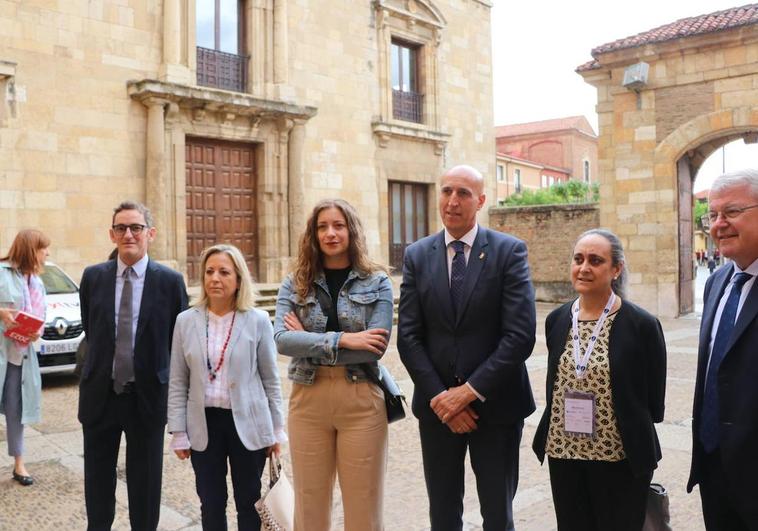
[
  {"x": 701, "y": 92},
  {"x": 235, "y": 138}
]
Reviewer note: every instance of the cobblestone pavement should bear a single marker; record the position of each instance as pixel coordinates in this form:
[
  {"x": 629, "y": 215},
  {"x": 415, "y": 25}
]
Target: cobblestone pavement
[{"x": 54, "y": 456}]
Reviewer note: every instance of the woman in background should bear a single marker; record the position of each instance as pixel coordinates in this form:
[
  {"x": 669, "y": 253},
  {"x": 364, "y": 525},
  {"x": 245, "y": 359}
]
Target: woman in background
[{"x": 21, "y": 289}]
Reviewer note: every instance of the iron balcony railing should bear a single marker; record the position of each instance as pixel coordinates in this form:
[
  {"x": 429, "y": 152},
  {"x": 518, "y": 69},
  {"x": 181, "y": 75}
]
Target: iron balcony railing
[
  {"x": 221, "y": 70},
  {"x": 408, "y": 106}
]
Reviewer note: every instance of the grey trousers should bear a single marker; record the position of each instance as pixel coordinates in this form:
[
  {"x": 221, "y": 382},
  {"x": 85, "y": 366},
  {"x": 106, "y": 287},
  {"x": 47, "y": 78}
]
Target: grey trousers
[{"x": 11, "y": 401}]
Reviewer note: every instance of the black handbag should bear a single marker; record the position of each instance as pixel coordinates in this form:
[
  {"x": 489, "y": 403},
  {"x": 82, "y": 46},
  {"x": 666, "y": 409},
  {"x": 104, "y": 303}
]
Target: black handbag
[
  {"x": 657, "y": 516},
  {"x": 393, "y": 396}
]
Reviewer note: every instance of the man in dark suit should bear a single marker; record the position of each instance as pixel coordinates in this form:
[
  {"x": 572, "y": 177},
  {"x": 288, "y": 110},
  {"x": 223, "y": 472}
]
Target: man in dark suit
[
  {"x": 725, "y": 411},
  {"x": 466, "y": 327},
  {"x": 129, "y": 306}
]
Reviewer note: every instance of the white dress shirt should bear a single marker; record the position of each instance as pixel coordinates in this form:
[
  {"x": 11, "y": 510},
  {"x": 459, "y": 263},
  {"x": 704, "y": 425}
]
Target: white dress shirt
[{"x": 468, "y": 240}]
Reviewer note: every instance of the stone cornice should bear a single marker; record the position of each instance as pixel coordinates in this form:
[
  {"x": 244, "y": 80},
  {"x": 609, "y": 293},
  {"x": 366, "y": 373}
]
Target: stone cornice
[
  {"x": 385, "y": 130},
  {"x": 415, "y": 15},
  {"x": 7, "y": 69},
  {"x": 214, "y": 100}
]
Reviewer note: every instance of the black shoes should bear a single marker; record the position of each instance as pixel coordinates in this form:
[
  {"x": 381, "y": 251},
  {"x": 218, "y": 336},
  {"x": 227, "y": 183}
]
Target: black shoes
[{"x": 23, "y": 480}]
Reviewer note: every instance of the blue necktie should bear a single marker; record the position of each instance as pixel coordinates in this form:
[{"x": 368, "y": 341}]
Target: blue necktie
[
  {"x": 457, "y": 272},
  {"x": 709, "y": 418}
]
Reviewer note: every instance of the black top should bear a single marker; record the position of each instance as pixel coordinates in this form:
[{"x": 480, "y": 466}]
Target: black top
[{"x": 335, "y": 279}]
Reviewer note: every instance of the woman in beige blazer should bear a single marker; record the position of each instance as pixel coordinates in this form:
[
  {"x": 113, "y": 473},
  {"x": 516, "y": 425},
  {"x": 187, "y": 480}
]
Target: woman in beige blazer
[{"x": 225, "y": 400}]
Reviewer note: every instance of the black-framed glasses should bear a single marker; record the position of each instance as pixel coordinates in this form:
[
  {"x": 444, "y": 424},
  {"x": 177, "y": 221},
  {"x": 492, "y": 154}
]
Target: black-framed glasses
[
  {"x": 729, "y": 212},
  {"x": 135, "y": 228}
]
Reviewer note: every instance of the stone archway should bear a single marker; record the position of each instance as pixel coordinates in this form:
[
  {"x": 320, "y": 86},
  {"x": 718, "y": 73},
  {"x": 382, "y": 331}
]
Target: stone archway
[
  {"x": 679, "y": 158},
  {"x": 701, "y": 91}
]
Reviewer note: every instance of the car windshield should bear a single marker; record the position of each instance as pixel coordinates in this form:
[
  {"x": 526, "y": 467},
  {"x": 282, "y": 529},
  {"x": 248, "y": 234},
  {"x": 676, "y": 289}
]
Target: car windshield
[{"x": 56, "y": 281}]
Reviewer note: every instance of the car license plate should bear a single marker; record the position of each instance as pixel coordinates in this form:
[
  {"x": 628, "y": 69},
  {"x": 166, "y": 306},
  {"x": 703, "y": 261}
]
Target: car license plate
[{"x": 58, "y": 348}]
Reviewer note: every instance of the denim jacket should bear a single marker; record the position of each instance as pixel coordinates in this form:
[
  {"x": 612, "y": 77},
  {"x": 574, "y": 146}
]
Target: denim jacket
[{"x": 364, "y": 302}]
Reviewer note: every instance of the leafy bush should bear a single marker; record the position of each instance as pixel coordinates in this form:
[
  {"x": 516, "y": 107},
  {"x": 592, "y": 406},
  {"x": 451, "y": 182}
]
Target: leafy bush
[
  {"x": 557, "y": 194},
  {"x": 701, "y": 208}
]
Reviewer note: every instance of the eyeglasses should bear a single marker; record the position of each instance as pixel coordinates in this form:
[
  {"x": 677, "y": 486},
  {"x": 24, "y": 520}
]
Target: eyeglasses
[
  {"x": 729, "y": 212},
  {"x": 136, "y": 229}
]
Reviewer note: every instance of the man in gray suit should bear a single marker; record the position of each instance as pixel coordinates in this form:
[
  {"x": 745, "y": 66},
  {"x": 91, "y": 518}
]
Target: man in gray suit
[
  {"x": 466, "y": 327},
  {"x": 725, "y": 412}
]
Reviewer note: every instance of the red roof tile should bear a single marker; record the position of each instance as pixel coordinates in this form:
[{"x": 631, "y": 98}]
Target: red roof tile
[
  {"x": 579, "y": 123},
  {"x": 685, "y": 27}
]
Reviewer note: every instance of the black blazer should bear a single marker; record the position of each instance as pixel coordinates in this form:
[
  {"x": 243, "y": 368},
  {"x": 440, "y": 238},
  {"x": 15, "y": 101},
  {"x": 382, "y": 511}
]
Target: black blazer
[
  {"x": 738, "y": 395},
  {"x": 489, "y": 340},
  {"x": 164, "y": 296},
  {"x": 637, "y": 359}
]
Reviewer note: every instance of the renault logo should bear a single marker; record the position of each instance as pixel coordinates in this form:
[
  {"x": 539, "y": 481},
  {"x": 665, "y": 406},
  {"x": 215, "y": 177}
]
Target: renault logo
[{"x": 61, "y": 325}]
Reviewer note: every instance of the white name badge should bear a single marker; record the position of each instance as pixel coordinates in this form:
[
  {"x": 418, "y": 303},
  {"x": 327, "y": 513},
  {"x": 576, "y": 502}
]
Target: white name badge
[{"x": 579, "y": 413}]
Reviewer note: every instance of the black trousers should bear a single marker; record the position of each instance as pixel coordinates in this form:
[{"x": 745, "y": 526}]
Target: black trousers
[
  {"x": 598, "y": 495},
  {"x": 494, "y": 458},
  {"x": 720, "y": 511},
  {"x": 210, "y": 474},
  {"x": 144, "y": 465}
]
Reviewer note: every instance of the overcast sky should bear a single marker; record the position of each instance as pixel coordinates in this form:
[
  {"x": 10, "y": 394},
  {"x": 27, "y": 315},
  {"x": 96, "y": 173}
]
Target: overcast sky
[{"x": 537, "y": 45}]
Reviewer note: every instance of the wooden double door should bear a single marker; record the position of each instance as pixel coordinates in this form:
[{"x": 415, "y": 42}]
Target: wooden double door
[{"x": 221, "y": 200}]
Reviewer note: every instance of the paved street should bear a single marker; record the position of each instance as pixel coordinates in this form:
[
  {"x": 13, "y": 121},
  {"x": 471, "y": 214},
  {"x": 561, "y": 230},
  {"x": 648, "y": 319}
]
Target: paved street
[{"x": 54, "y": 454}]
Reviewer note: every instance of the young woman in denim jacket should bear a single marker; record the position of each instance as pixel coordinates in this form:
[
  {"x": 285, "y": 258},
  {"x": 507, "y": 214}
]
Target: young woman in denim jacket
[{"x": 333, "y": 313}]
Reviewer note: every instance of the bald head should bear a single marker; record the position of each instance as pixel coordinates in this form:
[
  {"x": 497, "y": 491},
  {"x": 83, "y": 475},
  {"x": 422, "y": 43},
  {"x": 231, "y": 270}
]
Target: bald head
[
  {"x": 468, "y": 173},
  {"x": 461, "y": 197}
]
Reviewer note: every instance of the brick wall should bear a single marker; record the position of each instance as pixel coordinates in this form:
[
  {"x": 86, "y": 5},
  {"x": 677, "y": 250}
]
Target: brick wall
[
  {"x": 679, "y": 104},
  {"x": 549, "y": 232}
]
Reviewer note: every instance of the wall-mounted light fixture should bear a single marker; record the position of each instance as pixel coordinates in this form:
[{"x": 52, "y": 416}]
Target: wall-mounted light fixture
[{"x": 635, "y": 78}]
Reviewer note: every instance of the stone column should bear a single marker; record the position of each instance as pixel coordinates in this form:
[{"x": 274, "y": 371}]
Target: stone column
[
  {"x": 296, "y": 185},
  {"x": 172, "y": 68},
  {"x": 156, "y": 185},
  {"x": 281, "y": 52}
]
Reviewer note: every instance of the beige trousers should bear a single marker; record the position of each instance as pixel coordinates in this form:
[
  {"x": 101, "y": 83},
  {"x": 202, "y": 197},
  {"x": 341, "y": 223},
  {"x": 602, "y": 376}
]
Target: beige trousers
[{"x": 338, "y": 426}]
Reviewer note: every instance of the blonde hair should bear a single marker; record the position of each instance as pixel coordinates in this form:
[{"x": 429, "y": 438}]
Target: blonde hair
[
  {"x": 245, "y": 296},
  {"x": 309, "y": 263},
  {"x": 23, "y": 252}
]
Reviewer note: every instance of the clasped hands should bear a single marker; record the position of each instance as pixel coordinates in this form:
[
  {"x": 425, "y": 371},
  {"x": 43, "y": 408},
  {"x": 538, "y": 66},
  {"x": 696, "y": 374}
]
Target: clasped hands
[{"x": 453, "y": 409}]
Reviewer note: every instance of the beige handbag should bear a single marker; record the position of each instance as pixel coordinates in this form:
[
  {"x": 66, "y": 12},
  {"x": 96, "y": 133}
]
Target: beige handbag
[{"x": 277, "y": 507}]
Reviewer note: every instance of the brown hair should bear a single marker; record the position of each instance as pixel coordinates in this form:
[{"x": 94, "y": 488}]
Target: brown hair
[
  {"x": 23, "y": 252},
  {"x": 309, "y": 263}
]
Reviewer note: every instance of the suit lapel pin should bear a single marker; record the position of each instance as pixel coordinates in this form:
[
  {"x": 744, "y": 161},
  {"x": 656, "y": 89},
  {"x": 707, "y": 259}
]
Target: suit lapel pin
[{"x": 481, "y": 255}]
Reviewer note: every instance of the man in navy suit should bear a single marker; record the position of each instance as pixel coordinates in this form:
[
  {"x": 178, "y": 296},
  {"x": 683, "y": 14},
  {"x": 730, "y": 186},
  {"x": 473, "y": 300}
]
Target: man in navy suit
[
  {"x": 466, "y": 327},
  {"x": 129, "y": 306},
  {"x": 725, "y": 411}
]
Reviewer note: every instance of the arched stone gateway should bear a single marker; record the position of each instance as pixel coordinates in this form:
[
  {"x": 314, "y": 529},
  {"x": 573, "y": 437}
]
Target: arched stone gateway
[{"x": 655, "y": 131}]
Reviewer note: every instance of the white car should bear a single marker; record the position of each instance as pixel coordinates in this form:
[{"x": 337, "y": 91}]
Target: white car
[{"x": 56, "y": 349}]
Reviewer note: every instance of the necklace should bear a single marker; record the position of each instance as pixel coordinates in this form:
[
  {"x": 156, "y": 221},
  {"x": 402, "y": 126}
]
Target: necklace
[{"x": 213, "y": 373}]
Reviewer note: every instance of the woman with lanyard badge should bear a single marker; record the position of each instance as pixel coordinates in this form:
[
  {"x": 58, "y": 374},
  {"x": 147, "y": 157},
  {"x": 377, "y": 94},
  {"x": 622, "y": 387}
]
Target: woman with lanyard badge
[
  {"x": 606, "y": 379},
  {"x": 225, "y": 400},
  {"x": 21, "y": 289}
]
